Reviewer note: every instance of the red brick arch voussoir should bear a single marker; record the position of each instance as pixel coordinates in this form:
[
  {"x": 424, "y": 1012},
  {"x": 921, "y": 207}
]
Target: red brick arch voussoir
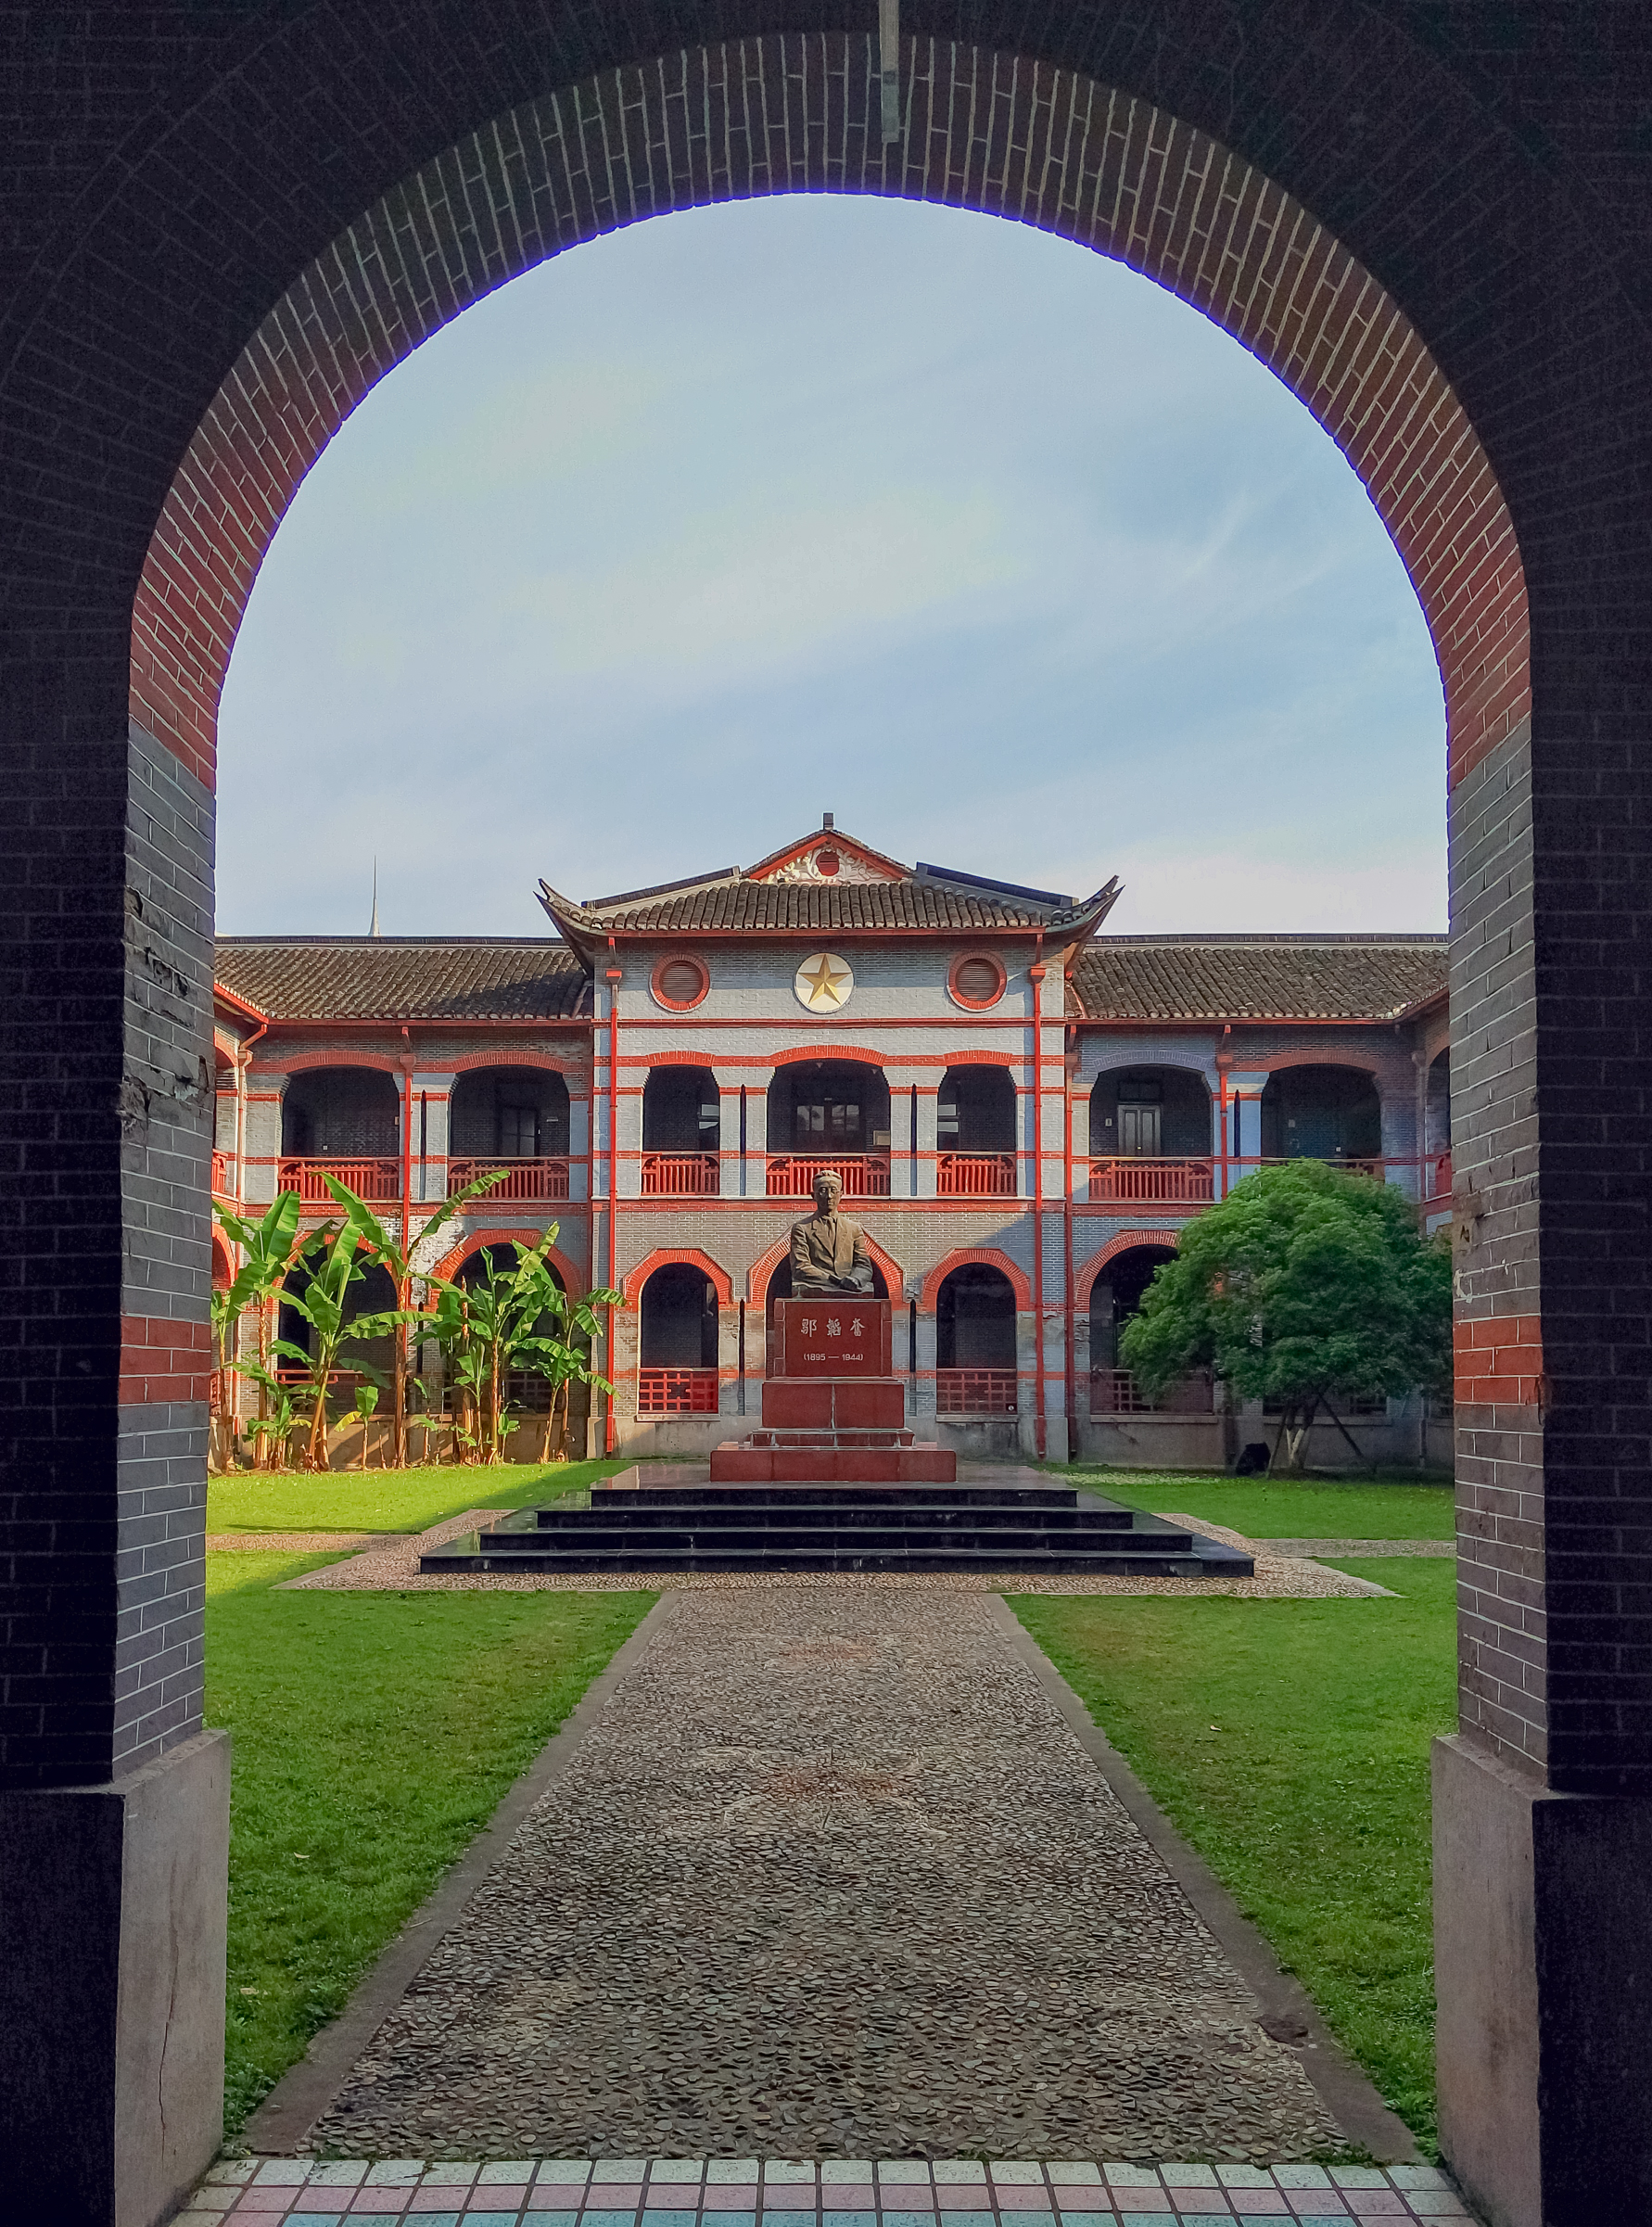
[
  {"x": 987, "y": 1256},
  {"x": 573, "y": 1282},
  {"x": 663, "y": 1256},
  {"x": 764, "y": 1267},
  {"x": 1128, "y": 1240},
  {"x": 797, "y": 112}
]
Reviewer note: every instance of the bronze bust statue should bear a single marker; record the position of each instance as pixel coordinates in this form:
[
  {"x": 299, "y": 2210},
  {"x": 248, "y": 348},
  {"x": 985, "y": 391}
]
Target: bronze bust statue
[{"x": 829, "y": 1250}]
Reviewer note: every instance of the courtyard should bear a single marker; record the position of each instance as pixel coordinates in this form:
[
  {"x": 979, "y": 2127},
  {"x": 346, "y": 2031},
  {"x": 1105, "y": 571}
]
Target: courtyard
[{"x": 830, "y": 1875}]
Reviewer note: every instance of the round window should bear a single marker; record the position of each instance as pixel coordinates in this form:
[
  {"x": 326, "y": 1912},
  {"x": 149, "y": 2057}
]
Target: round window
[
  {"x": 680, "y": 982},
  {"x": 977, "y": 979}
]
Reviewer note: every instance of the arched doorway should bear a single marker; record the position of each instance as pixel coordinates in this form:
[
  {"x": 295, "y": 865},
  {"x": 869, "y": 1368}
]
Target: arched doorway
[
  {"x": 677, "y": 1372},
  {"x": 1322, "y": 1113},
  {"x": 975, "y": 1341},
  {"x": 1116, "y": 1295},
  {"x": 829, "y": 1114},
  {"x": 343, "y": 1122}
]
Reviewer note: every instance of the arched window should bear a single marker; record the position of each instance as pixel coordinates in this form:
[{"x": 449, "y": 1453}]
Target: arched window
[
  {"x": 828, "y": 1108},
  {"x": 1321, "y": 1112},
  {"x": 780, "y": 1287},
  {"x": 372, "y": 1293},
  {"x": 341, "y": 1113},
  {"x": 680, "y": 1110},
  {"x": 509, "y": 1114},
  {"x": 975, "y": 1110},
  {"x": 1151, "y": 1113}
]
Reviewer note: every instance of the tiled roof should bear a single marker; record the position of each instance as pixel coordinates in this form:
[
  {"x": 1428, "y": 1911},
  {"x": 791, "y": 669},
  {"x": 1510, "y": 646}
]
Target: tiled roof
[
  {"x": 1258, "y": 978},
  {"x": 812, "y": 908},
  {"x": 403, "y": 978}
]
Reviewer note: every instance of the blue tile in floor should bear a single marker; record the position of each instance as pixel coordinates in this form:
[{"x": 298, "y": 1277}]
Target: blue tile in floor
[
  {"x": 668, "y": 2219},
  {"x": 609, "y": 2219},
  {"x": 788, "y": 2219},
  {"x": 542, "y": 2218},
  {"x": 913, "y": 2219},
  {"x": 485, "y": 2219},
  {"x": 849, "y": 2218}
]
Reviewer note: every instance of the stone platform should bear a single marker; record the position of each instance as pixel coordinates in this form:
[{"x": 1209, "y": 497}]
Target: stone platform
[{"x": 674, "y": 1516}]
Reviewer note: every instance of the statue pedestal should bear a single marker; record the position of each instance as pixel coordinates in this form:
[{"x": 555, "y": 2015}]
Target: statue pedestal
[{"x": 833, "y": 1413}]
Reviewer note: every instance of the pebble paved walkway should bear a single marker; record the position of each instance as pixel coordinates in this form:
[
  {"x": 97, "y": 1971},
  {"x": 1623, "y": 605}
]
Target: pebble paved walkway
[
  {"x": 738, "y": 2191},
  {"x": 828, "y": 1876}
]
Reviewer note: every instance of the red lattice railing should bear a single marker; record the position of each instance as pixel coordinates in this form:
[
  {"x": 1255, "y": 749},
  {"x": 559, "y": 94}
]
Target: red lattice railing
[
  {"x": 539, "y": 1178},
  {"x": 1153, "y": 1182},
  {"x": 975, "y": 1174},
  {"x": 375, "y": 1180},
  {"x": 975, "y": 1392},
  {"x": 676, "y": 1392},
  {"x": 865, "y": 1174},
  {"x": 679, "y": 1175},
  {"x": 1115, "y": 1392}
]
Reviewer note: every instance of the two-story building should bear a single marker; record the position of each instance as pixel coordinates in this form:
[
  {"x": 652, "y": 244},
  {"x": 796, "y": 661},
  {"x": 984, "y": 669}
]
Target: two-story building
[{"x": 1025, "y": 1110}]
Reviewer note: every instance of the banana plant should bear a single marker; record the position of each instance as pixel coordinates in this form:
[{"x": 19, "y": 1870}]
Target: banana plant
[
  {"x": 269, "y": 1250},
  {"x": 496, "y": 1325},
  {"x": 365, "y": 1406},
  {"x": 268, "y": 1431},
  {"x": 394, "y": 1256},
  {"x": 322, "y": 1305}
]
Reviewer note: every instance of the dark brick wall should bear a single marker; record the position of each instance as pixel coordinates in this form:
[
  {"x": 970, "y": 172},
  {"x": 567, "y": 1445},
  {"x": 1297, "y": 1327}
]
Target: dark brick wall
[{"x": 171, "y": 174}]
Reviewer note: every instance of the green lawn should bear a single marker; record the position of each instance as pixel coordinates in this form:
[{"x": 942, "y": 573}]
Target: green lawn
[
  {"x": 387, "y": 1499},
  {"x": 1270, "y": 1508},
  {"x": 374, "y": 1733},
  {"x": 1289, "y": 1740}
]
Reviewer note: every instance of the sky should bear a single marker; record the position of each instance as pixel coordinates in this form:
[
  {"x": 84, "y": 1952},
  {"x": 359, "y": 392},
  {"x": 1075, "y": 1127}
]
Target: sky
[{"x": 980, "y": 541}]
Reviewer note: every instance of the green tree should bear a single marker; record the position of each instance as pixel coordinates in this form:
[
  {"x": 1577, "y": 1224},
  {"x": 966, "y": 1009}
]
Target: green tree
[
  {"x": 1306, "y": 1280},
  {"x": 334, "y": 1264}
]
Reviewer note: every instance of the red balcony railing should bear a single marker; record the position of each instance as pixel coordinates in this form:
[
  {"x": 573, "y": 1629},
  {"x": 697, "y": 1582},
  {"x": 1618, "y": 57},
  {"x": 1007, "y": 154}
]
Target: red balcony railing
[
  {"x": 865, "y": 1174},
  {"x": 1436, "y": 1177},
  {"x": 975, "y": 1174},
  {"x": 1115, "y": 1392},
  {"x": 379, "y": 1181},
  {"x": 676, "y": 1392},
  {"x": 679, "y": 1175},
  {"x": 221, "y": 1188},
  {"x": 528, "y": 1179},
  {"x": 975, "y": 1392},
  {"x": 1153, "y": 1182}
]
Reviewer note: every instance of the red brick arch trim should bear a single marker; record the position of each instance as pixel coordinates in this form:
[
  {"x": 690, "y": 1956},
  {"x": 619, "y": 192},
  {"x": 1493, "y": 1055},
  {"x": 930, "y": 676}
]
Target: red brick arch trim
[
  {"x": 1362, "y": 1063},
  {"x": 573, "y": 1281},
  {"x": 1128, "y": 1240},
  {"x": 980, "y": 1059},
  {"x": 296, "y": 1062},
  {"x": 676, "y": 1059},
  {"x": 721, "y": 1281},
  {"x": 763, "y": 1267},
  {"x": 856, "y": 1053},
  {"x": 223, "y": 1264},
  {"x": 469, "y": 1063},
  {"x": 988, "y": 1257},
  {"x": 797, "y": 112}
]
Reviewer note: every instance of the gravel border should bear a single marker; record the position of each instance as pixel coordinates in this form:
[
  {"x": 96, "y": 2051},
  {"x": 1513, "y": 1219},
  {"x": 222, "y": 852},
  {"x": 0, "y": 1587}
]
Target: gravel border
[
  {"x": 288, "y": 1542},
  {"x": 392, "y": 1566}
]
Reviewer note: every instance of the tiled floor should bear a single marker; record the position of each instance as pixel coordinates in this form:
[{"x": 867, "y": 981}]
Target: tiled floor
[{"x": 737, "y": 2191}]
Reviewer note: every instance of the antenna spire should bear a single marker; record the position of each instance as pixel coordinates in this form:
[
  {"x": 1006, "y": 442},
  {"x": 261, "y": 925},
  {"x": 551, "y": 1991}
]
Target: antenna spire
[{"x": 375, "y": 929}]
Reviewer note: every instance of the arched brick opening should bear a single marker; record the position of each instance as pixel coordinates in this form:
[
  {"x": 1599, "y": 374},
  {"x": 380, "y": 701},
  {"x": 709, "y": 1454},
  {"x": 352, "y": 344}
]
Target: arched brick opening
[
  {"x": 1125, "y": 1241},
  {"x": 986, "y": 1256},
  {"x": 761, "y": 1272},
  {"x": 455, "y": 1258}
]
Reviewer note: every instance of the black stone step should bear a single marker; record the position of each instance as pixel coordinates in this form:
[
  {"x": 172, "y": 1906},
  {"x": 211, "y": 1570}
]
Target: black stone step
[
  {"x": 672, "y": 1519},
  {"x": 684, "y": 1537},
  {"x": 464, "y": 1556},
  {"x": 803, "y": 1509}
]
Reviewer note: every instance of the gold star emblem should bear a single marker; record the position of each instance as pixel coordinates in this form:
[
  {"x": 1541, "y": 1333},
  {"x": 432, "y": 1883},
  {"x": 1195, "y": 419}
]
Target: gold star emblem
[{"x": 825, "y": 982}]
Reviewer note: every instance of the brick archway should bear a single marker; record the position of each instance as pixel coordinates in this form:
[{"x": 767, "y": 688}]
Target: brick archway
[
  {"x": 452, "y": 1260},
  {"x": 206, "y": 166},
  {"x": 1128, "y": 1240},
  {"x": 763, "y": 1267},
  {"x": 986, "y": 1256},
  {"x": 665, "y": 1257}
]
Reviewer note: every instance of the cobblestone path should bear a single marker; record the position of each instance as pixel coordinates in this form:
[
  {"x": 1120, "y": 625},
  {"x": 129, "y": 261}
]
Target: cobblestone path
[{"x": 828, "y": 1876}]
